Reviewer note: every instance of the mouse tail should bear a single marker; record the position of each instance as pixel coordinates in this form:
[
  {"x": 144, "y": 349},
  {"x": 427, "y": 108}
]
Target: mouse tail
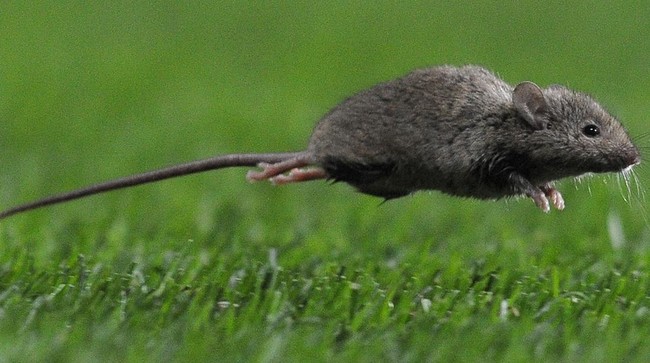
[{"x": 217, "y": 162}]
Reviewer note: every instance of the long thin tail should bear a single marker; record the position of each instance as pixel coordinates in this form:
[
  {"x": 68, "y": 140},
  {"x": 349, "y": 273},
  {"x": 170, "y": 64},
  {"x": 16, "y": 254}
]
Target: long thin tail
[{"x": 217, "y": 162}]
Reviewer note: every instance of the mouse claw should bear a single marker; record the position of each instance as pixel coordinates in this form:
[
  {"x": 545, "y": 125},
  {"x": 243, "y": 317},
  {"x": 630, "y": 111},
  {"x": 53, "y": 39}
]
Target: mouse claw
[{"x": 253, "y": 176}]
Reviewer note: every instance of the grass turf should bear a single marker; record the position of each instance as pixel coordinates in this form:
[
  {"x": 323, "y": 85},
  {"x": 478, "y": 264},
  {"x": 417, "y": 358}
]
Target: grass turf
[{"x": 211, "y": 268}]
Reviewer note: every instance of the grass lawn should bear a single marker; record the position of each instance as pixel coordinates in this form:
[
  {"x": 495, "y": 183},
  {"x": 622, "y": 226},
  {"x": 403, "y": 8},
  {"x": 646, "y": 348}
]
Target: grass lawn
[{"x": 211, "y": 268}]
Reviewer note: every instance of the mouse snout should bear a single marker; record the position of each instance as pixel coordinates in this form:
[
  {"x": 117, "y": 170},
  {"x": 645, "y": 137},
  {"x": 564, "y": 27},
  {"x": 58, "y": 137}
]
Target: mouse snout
[
  {"x": 621, "y": 160},
  {"x": 632, "y": 157}
]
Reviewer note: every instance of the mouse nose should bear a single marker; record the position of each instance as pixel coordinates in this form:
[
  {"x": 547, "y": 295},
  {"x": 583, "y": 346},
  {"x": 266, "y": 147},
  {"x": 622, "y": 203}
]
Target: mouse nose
[{"x": 633, "y": 157}]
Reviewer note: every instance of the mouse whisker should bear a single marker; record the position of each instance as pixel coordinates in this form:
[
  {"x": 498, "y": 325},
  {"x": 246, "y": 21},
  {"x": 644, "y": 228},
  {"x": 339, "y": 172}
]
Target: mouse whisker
[{"x": 623, "y": 176}]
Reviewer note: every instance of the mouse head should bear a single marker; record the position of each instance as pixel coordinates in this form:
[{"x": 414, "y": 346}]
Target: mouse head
[{"x": 572, "y": 132}]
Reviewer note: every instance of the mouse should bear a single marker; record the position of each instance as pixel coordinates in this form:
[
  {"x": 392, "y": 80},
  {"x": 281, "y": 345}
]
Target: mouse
[{"x": 462, "y": 131}]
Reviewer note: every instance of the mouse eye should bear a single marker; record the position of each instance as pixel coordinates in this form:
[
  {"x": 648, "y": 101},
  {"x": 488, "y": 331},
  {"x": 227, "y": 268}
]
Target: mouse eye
[{"x": 591, "y": 130}]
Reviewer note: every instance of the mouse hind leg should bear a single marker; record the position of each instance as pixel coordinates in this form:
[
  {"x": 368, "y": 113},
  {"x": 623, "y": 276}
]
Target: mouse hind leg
[{"x": 287, "y": 171}]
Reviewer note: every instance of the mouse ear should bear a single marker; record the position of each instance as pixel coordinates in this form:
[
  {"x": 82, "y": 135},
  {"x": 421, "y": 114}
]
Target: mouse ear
[{"x": 530, "y": 103}]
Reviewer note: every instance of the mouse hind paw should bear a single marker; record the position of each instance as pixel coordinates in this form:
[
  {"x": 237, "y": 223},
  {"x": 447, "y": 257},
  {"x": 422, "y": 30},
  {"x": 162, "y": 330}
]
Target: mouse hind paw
[
  {"x": 297, "y": 175},
  {"x": 287, "y": 171}
]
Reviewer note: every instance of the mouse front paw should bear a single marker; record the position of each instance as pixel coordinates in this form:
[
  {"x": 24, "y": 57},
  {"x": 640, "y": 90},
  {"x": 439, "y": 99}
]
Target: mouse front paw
[
  {"x": 554, "y": 195},
  {"x": 541, "y": 201}
]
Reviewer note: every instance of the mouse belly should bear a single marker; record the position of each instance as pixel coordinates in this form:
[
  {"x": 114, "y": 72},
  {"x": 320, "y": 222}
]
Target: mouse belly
[
  {"x": 393, "y": 187},
  {"x": 389, "y": 181},
  {"x": 391, "y": 184}
]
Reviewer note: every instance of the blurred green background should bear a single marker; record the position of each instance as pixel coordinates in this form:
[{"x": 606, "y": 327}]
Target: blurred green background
[{"x": 94, "y": 90}]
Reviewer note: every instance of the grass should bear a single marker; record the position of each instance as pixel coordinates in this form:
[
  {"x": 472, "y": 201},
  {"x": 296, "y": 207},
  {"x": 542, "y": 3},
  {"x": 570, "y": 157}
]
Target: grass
[{"x": 211, "y": 268}]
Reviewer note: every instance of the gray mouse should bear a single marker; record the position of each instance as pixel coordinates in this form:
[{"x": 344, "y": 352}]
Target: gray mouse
[{"x": 460, "y": 130}]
